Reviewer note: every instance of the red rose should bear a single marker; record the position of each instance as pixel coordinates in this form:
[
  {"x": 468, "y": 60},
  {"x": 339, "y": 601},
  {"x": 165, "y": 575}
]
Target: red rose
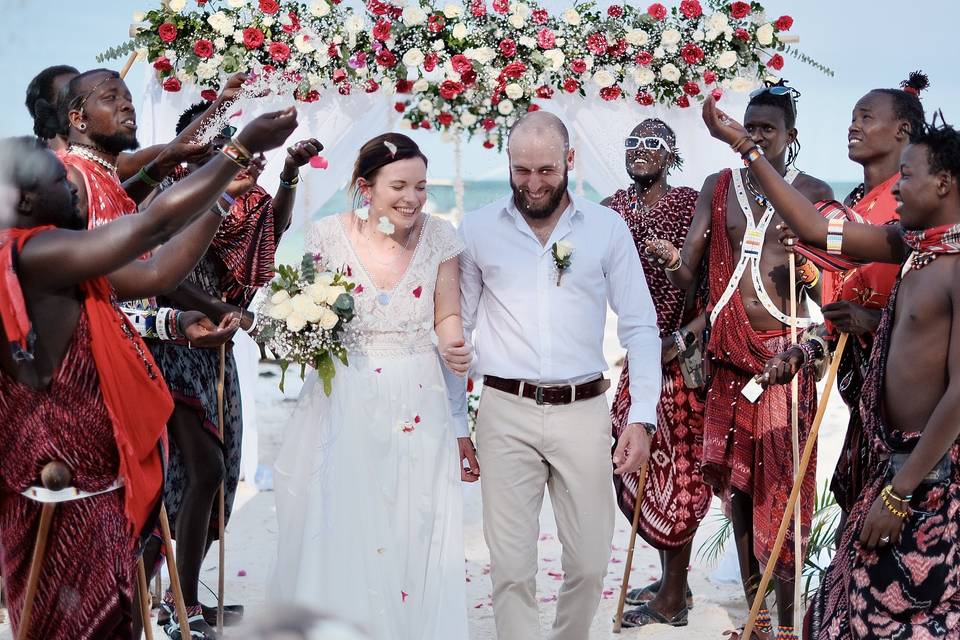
[
  {"x": 386, "y": 58},
  {"x": 395, "y": 11},
  {"x": 200, "y": 3},
  {"x": 269, "y": 6},
  {"x": 445, "y": 118},
  {"x": 162, "y": 64},
  {"x": 783, "y": 23},
  {"x": 739, "y": 10},
  {"x": 469, "y": 385},
  {"x": 597, "y": 43},
  {"x": 430, "y": 62},
  {"x": 344, "y": 89},
  {"x": 645, "y": 99},
  {"x": 570, "y": 85},
  {"x": 279, "y": 51},
  {"x": 717, "y": 94},
  {"x": 468, "y": 77},
  {"x": 514, "y": 70},
  {"x": 339, "y": 75},
  {"x": 540, "y": 16},
  {"x": 691, "y": 9},
  {"x": 294, "y": 23},
  {"x": 741, "y": 34},
  {"x": 691, "y": 88},
  {"x": 487, "y": 144},
  {"x": 776, "y": 62},
  {"x": 618, "y": 48},
  {"x": 611, "y": 93},
  {"x": 414, "y": 125},
  {"x": 691, "y": 53},
  {"x": 333, "y": 51},
  {"x": 644, "y": 58},
  {"x": 424, "y": 125},
  {"x": 532, "y": 107},
  {"x": 252, "y": 38},
  {"x": 310, "y": 96},
  {"x": 450, "y": 89},
  {"x": 404, "y": 86},
  {"x": 209, "y": 95},
  {"x": 683, "y": 102},
  {"x": 461, "y": 63},
  {"x": 268, "y": 69},
  {"x": 657, "y": 10},
  {"x": 381, "y": 30},
  {"x": 508, "y": 47},
  {"x": 709, "y": 77},
  {"x": 378, "y": 8},
  {"x": 171, "y": 84},
  {"x": 615, "y": 11},
  {"x": 478, "y": 8},
  {"x": 578, "y": 66},
  {"x": 501, "y": 6},
  {"x": 488, "y": 124},
  {"x": 546, "y": 39},
  {"x": 167, "y": 32},
  {"x": 203, "y": 48},
  {"x": 544, "y": 92},
  {"x": 400, "y": 107},
  {"x": 436, "y": 23},
  {"x": 370, "y": 86}
]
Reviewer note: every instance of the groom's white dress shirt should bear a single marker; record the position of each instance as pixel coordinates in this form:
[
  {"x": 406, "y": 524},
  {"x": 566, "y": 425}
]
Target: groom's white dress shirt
[{"x": 523, "y": 326}]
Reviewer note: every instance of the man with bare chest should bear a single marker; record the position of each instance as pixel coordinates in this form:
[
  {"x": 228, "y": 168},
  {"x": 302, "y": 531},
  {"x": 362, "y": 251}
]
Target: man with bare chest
[
  {"x": 896, "y": 573},
  {"x": 747, "y": 443}
]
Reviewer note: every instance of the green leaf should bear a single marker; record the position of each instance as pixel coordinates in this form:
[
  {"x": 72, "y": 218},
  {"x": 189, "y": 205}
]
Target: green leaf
[
  {"x": 326, "y": 370},
  {"x": 284, "y": 365},
  {"x": 308, "y": 267},
  {"x": 343, "y": 307}
]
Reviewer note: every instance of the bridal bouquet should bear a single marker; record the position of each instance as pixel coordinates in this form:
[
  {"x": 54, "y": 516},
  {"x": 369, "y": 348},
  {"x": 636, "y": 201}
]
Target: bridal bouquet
[{"x": 304, "y": 317}]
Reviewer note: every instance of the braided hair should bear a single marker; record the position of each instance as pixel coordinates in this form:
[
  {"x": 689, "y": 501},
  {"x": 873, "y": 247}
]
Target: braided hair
[
  {"x": 943, "y": 145},
  {"x": 677, "y": 160},
  {"x": 787, "y": 103},
  {"x": 42, "y": 103},
  {"x": 906, "y": 100}
]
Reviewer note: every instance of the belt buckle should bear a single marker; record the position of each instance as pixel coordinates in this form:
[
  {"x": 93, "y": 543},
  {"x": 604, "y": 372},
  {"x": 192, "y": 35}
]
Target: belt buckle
[{"x": 538, "y": 396}]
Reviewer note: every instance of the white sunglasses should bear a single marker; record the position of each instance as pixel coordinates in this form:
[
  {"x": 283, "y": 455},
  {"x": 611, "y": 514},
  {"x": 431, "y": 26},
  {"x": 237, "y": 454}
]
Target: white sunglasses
[{"x": 649, "y": 142}]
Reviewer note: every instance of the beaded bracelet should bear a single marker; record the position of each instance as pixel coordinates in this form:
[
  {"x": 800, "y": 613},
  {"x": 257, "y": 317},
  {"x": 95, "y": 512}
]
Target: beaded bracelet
[
  {"x": 290, "y": 184},
  {"x": 238, "y": 153},
  {"x": 835, "y": 236},
  {"x": 752, "y": 155}
]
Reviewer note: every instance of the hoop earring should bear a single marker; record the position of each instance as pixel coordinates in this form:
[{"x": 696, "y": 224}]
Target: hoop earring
[{"x": 82, "y": 126}]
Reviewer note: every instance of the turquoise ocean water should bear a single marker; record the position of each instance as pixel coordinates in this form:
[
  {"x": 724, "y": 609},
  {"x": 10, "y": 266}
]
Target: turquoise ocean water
[{"x": 440, "y": 199}]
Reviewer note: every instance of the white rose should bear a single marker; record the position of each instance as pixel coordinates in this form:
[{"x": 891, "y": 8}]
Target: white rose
[
  {"x": 425, "y": 106},
  {"x": 765, "y": 35},
  {"x": 324, "y": 278},
  {"x": 207, "y": 69},
  {"x": 467, "y": 119},
  {"x": 236, "y": 4},
  {"x": 221, "y": 23},
  {"x": 658, "y": 53},
  {"x": 513, "y": 90},
  {"x": 139, "y": 16},
  {"x": 460, "y": 31},
  {"x": 517, "y": 21},
  {"x": 406, "y": 124},
  {"x": 603, "y": 78},
  {"x": 280, "y": 311},
  {"x": 505, "y": 107},
  {"x": 267, "y": 21},
  {"x": 670, "y": 37},
  {"x": 483, "y": 55},
  {"x": 571, "y": 17},
  {"x": 301, "y": 302},
  {"x": 333, "y": 293},
  {"x": 637, "y": 37},
  {"x": 452, "y": 11},
  {"x": 319, "y": 8},
  {"x": 328, "y": 319},
  {"x": 413, "y": 57},
  {"x": 220, "y": 43},
  {"x": 564, "y": 249},
  {"x": 726, "y": 59},
  {"x": 741, "y": 85},
  {"x": 354, "y": 24},
  {"x": 420, "y": 86},
  {"x": 438, "y": 45},
  {"x": 643, "y": 76},
  {"x": 285, "y": 19},
  {"x": 413, "y": 16},
  {"x": 698, "y": 36},
  {"x": 313, "y": 313},
  {"x": 296, "y": 322},
  {"x": 317, "y": 292},
  {"x": 303, "y": 44},
  {"x": 521, "y": 9},
  {"x": 717, "y": 22},
  {"x": 279, "y": 297},
  {"x": 669, "y": 72},
  {"x": 712, "y": 35},
  {"x": 556, "y": 57},
  {"x": 527, "y": 41}
]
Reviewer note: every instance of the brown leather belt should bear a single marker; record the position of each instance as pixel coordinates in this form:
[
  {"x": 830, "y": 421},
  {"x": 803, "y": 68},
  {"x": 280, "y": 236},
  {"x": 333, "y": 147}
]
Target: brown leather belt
[{"x": 552, "y": 394}]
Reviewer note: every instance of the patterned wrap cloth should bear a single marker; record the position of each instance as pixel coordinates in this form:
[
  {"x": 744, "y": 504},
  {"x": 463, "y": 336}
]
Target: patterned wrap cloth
[{"x": 675, "y": 497}]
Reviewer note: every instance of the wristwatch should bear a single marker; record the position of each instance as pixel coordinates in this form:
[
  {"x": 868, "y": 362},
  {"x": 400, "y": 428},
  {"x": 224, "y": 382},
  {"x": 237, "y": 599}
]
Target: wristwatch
[{"x": 651, "y": 429}]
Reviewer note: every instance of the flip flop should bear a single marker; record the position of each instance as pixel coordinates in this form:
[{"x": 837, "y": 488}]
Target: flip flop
[
  {"x": 643, "y": 595},
  {"x": 644, "y": 615},
  {"x": 737, "y": 634},
  {"x": 232, "y": 614}
]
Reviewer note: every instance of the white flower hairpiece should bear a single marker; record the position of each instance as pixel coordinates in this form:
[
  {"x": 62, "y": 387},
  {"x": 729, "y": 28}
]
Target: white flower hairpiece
[{"x": 392, "y": 148}]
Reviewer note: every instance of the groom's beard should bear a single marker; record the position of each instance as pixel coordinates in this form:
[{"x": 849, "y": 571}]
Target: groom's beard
[{"x": 550, "y": 204}]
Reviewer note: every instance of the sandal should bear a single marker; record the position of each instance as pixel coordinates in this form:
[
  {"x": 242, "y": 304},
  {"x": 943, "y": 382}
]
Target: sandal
[
  {"x": 199, "y": 628},
  {"x": 758, "y": 634},
  {"x": 644, "y": 615},
  {"x": 643, "y": 595},
  {"x": 232, "y": 614}
]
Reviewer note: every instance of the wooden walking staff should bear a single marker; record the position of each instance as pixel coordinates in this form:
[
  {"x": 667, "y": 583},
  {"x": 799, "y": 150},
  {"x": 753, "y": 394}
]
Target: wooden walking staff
[
  {"x": 178, "y": 602},
  {"x": 641, "y": 483},
  {"x": 222, "y": 507},
  {"x": 795, "y": 492},
  {"x": 795, "y": 442},
  {"x": 54, "y": 476},
  {"x": 129, "y": 63},
  {"x": 145, "y": 598}
]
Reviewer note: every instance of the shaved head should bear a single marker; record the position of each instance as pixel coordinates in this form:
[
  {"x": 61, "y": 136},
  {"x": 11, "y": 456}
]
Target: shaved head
[
  {"x": 541, "y": 126},
  {"x": 540, "y": 158}
]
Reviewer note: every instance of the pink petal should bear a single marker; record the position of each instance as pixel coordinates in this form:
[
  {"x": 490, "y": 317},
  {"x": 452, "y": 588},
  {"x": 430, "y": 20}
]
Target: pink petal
[
  {"x": 552, "y": 598},
  {"x": 241, "y": 573},
  {"x": 319, "y": 162},
  {"x": 417, "y": 292},
  {"x": 358, "y": 289},
  {"x": 416, "y": 419},
  {"x": 378, "y": 370},
  {"x": 403, "y": 596}
]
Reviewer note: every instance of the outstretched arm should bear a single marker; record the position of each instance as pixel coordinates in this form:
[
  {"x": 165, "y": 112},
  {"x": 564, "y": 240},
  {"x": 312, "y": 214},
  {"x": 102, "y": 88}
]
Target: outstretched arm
[
  {"x": 874, "y": 243},
  {"x": 297, "y": 155}
]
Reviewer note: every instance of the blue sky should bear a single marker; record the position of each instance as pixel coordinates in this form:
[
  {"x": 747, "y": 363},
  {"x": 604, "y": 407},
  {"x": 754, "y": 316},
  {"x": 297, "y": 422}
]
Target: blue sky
[{"x": 869, "y": 43}]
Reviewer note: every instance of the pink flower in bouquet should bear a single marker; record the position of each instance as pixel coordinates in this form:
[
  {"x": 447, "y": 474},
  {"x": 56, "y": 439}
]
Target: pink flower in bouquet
[
  {"x": 203, "y": 48},
  {"x": 333, "y": 51},
  {"x": 643, "y": 58},
  {"x": 597, "y": 43},
  {"x": 478, "y": 8},
  {"x": 461, "y": 63},
  {"x": 618, "y": 48},
  {"x": 378, "y": 8},
  {"x": 709, "y": 77},
  {"x": 252, "y": 38},
  {"x": 468, "y": 77},
  {"x": 691, "y": 9},
  {"x": 776, "y": 62},
  {"x": 162, "y": 64},
  {"x": 171, "y": 84},
  {"x": 167, "y": 32},
  {"x": 450, "y": 89},
  {"x": 657, "y": 11},
  {"x": 310, "y": 96},
  {"x": 436, "y": 23},
  {"x": 611, "y": 93},
  {"x": 508, "y": 47},
  {"x": 571, "y": 85},
  {"x": 339, "y": 75},
  {"x": 683, "y": 102},
  {"x": 430, "y": 62},
  {"x": 425, "y": 124},
  {"x": 717, "y": 94},
  {"x": 381, "y": 30},
  {"x": 445, "y": 118},
  {"x": 546, "y": 39},
  {"x": 783, "y": 23},
  {"x": 540, "y": 16},
  {"x": 294, "y": 25},
  {"x": 371, "y": 86},
  {"x": 279, "y": 51},
  {"x": 404, "y": 86},
  {"x": 501, "y": 6},
  {"x": 487, "y": 144},
  {"x": 488, "y": 124},
  {"x": 209, "y": 95},
  {"x": 269, "y": 6},
  {"x": 386, "y": 58},
  {"x": 400, "y": 107},
  {"x": 358, "y": 60},
  {"x": 741, "y": 34},
  {"x": 739, "y": 10},
  {"x": 532, "y": 107},
  {"x": 691, "y": 88},
  {"x": 514, "y": 70},
  {"x": 691, "y": 53},
  {"x": 645, "y": 99},
  {"x": 344, "y": 89},
  {"x": 545, "y": 92},
  {"x": 615, "y": 11},
  {"x": 578, "y": 66}
]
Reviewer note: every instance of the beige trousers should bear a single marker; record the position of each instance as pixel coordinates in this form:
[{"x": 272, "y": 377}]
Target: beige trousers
[{"x": 523, "y": 448}]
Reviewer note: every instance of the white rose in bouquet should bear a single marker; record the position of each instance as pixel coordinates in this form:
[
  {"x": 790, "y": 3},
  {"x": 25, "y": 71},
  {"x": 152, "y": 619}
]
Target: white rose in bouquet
[
  {"x": 420, "y": 86},
  {"x": 279, "y": 297},
  {"x": 467, "y": 119},
  {"x": 236, "y": 4},
  {"x": 177, "y": 5},
  {"x": 528, "y": 42},
  {"x": 425, "y": 106},
  {"x": 296, "y": 322},
  {"x": 571, "y": 17},
  {"x": 516, "y": 21},
  {"x": 354, "y": 24},
  {"x": 460, "y": 31},
  {"x": 727, "y": 59},
  {"x": 637, "y": 37},
  {"x": 643, "y": 76},
  {"x": 452, "y": 11},
  {"x": 556, "y": 58},
  {"x": 670, "y": 37},
  {"x": 319, "y": 8},
  {"x": 303, "y": 44},
  {"x": 221, "y": 23},
  {"x": 413, "y": 58},
  {"x": 413, "y": 16},
  {"x": 717, "y": 22},
  {"x": 604, "y": 78},
  {"x": 513, "y": 91},
  {"x": 564, "y": 249},
  {"x": 741, "y": 84},
  {"x": 328, "y": 319},
  {"x": 505, "y": 107},
  {"x": 669, "y": 72},
  {"x": 280, "y": 311},
  {"x": 765, "y": 35},
  {"x": 483, "y": 55},
  {"x": 333, "y": 292}
]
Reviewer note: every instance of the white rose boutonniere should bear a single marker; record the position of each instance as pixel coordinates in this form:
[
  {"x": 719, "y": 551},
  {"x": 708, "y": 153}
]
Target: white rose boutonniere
[{"x": 562, "y": 253}]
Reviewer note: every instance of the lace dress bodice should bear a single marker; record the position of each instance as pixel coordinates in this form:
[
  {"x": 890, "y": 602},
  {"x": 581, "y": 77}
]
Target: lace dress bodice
[{"x": 396, "y": 322}]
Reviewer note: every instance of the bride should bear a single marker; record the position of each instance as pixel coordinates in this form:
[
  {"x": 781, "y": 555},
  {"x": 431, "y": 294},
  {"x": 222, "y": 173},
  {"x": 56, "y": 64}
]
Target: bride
[{"x": 368, "y": 496}]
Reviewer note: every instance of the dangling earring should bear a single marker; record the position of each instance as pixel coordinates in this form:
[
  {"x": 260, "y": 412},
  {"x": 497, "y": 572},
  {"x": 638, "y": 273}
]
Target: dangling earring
[
  {"x": 82, "y": 126},
  {"x": 363, "y": 211}
]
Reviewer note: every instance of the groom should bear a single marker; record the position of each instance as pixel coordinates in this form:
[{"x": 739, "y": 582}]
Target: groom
[{"x": 537, "y": 319}]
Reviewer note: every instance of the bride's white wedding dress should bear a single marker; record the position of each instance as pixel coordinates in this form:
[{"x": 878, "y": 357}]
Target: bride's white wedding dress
[{"x": 367, "y": 481}]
